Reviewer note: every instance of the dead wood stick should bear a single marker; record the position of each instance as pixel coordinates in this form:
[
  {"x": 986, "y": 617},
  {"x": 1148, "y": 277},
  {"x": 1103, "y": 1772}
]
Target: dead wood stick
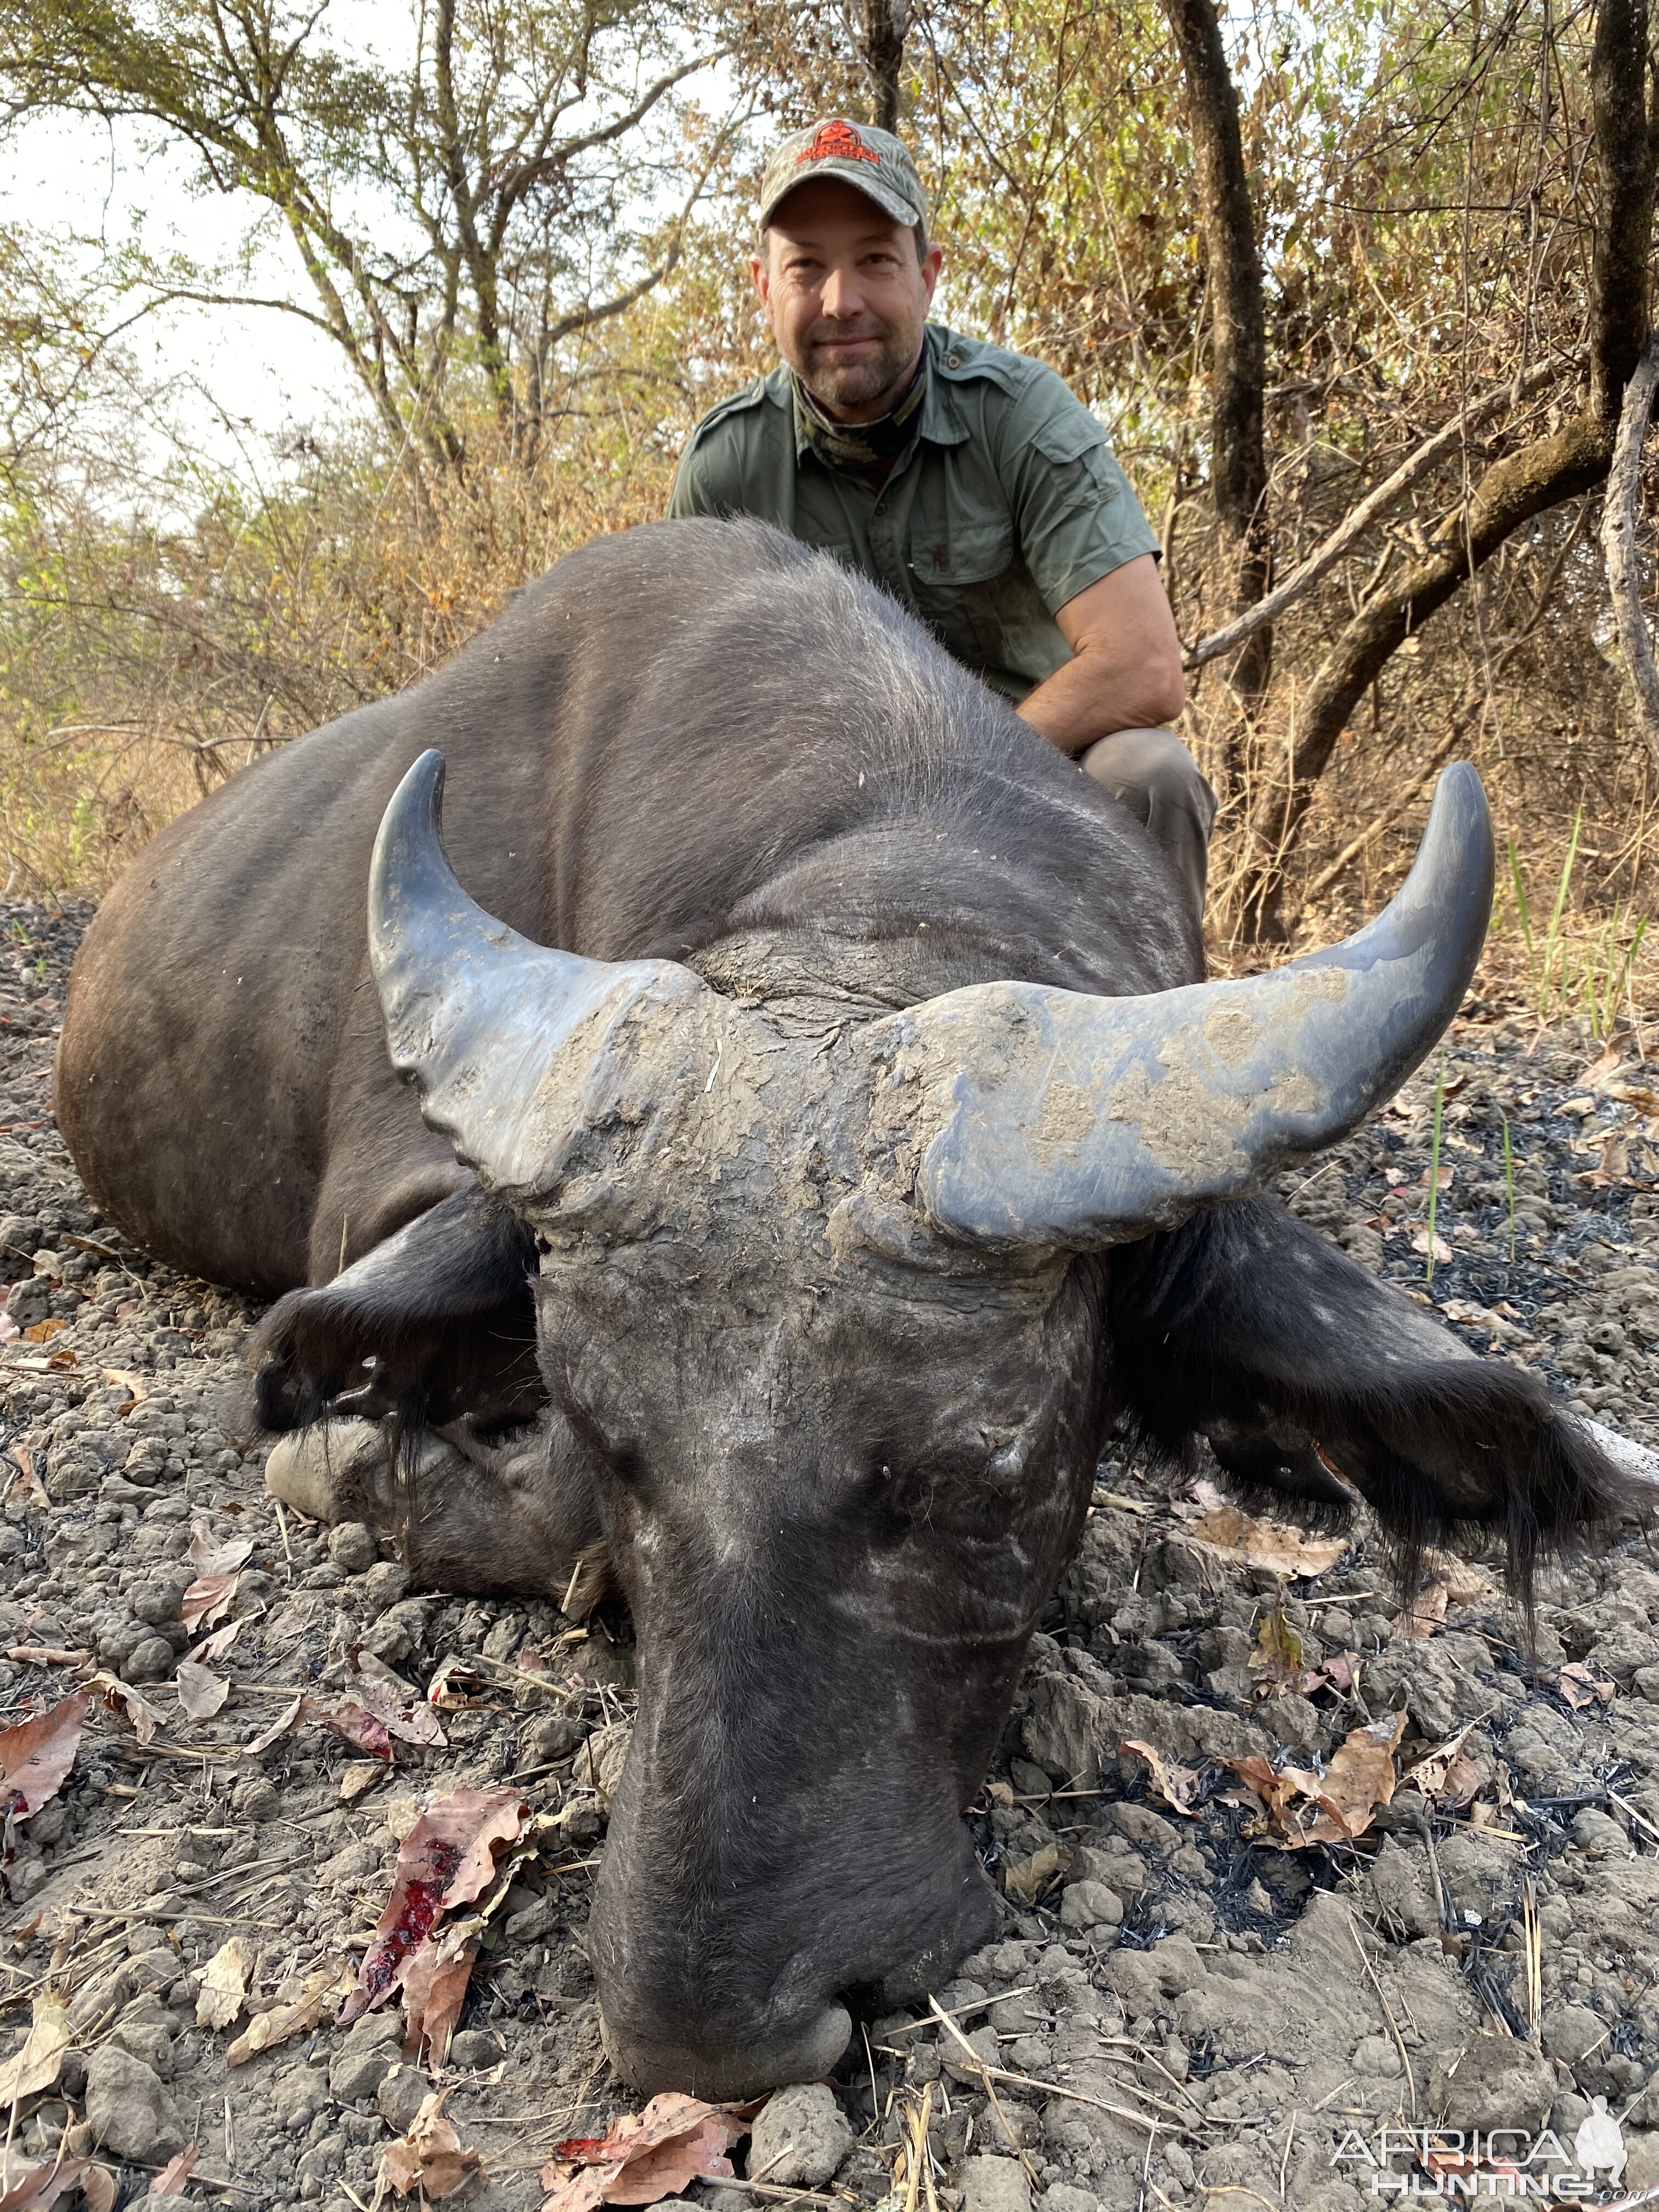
[
  {"x": 1619, "y": 543},
  {"x": 1055, "y": 2089},
  {"x": 1388, "y": 2013},
  {"x": 1353, "y": 524}
]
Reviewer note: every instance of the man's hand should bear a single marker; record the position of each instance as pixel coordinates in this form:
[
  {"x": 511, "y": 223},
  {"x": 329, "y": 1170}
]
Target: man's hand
[{"x": 1125, "y": 669}]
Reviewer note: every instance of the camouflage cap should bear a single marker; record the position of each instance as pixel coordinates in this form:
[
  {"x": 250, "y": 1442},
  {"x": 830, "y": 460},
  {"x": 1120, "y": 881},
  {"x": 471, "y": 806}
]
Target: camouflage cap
[{"x": 873, "y": 162}]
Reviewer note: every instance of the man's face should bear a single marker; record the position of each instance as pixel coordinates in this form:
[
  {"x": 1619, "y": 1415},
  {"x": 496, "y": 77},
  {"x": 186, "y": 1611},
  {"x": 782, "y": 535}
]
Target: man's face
[{"x": 845, "y": 296}]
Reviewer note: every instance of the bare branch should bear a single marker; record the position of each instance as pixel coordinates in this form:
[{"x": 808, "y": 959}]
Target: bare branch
[{"x": 1353, "y": 525}]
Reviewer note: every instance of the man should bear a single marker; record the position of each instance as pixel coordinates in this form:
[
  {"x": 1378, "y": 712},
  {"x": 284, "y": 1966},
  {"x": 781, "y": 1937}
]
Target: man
[{"x": 971, "y": 483}]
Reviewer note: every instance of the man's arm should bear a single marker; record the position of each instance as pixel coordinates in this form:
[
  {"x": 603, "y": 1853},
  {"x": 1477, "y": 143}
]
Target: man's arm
[{"x": 1125, "y": 669}]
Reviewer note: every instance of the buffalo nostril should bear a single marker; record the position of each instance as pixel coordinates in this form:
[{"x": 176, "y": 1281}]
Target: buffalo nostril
[{"x": 744, "y": 2068}]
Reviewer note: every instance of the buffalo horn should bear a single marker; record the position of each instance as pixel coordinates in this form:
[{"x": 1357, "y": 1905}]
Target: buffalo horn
[
  {"x": 478, "y": 1017},
  {"x": 1055, "y": 1118}
]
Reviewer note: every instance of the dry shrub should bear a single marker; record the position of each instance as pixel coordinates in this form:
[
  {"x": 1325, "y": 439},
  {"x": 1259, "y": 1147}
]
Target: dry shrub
[{"x": 141, "y": 664}]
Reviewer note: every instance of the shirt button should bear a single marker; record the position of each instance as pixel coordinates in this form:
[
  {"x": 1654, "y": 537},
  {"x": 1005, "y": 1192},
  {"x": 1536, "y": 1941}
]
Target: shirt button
[
  {"x": 881, "y": 507},
  {"x": 953, "y": 360}
]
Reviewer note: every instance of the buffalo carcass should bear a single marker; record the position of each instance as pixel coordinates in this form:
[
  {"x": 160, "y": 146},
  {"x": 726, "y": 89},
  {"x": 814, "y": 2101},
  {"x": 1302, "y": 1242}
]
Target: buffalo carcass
[{"x": 782, "y": 1248}]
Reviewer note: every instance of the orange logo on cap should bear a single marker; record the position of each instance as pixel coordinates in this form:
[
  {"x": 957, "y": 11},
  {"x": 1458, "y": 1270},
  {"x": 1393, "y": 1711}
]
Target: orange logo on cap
[{"x": 837, "y": 142}]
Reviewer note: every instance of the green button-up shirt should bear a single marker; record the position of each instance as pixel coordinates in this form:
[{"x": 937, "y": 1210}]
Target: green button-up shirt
[{"x": 1009, "y": 503}]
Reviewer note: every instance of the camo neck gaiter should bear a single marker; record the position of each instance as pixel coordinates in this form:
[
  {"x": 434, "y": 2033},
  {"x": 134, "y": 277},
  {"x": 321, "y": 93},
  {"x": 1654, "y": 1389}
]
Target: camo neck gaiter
[{"x": 858, "y": 449}]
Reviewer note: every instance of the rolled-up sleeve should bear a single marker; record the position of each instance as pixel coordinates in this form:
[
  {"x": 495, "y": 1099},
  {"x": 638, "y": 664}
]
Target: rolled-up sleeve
[{"x": 1076, "y": 513}]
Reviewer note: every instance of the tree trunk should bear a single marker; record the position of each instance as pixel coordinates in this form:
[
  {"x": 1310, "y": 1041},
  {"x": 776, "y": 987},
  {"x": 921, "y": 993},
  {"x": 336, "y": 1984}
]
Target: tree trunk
[
  {"x": 1238, "y": 466},
  {"x": 1543, "y": 473},
  {"x": 884, "y": 57}
]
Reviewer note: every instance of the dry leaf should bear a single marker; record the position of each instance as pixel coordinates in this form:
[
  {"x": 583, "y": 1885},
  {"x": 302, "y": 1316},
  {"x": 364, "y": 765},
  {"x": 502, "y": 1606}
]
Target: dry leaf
[
  {"x": 170, "y": 2181},
  {"x": 1277, "y": 1660},
  {"x": 1581, "y": 1688},
  {"x": 1340, "y": 1804},
  {"x": 430, "y": 2157},
  {"x": 224, "y": 1982},
  {"x": 280, "y": 1726},
  {"x": 447, "y": 1859},
  {"x": 36, "y": 1755},
  {"x": 266, "y": 2029},
  {"x": 42, "y": 1332},
  {"x": 359, "y": 1777},
  {"x": 207, "y": 1600},
  {"x": 1267, "y": 1544},
  {"x": 144, "y": 1717},
  {"x": 1447, "y": 1776},
  {"x": 216, "y": 1645},
  {"x": 44, "y": 2185},
  {"x": 211, "y": 1557},
  {"x": 135, "y": 1386},
  {"x": 1466, "y": 1584},
  {"x": 38, "y": 2064},
  {"x": 26, "y": 1486},
  {"x": 372, "y": 1715},
  {"x": 1026, "y": 1878},
  {"x": 201, "y": 1693},
  {"x": 1425, "y": 1614},
  {"x": 645, "y": 2157},
  {"x": 99, "y": 2188},
  {"x": 1603, "y": 1069},
  {"x": 435, "y": 1989},
  {"x": 1172, "y": 1785}
]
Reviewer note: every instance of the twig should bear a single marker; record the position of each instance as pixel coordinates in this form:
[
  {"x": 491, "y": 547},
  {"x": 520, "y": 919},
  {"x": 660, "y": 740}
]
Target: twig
[
  {"x": 1388, "y": 2015},
  {"x": 1055, "y": 2089},
  {"x": 1353, "y": 524}
]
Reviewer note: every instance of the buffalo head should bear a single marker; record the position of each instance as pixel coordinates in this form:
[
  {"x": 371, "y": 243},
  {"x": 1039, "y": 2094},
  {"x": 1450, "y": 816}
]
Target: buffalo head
[{"x": 828, "y": 1319}]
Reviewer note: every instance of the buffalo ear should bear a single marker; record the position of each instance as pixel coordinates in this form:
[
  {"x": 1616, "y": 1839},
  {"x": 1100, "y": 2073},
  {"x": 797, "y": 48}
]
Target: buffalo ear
[
  {"x": 500, "y": 1036},
  {"x": 435, "y": 1322}
]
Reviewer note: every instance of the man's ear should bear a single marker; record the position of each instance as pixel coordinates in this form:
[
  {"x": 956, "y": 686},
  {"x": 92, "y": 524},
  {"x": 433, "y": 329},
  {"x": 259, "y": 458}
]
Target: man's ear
[
  {"x": 932, "y": 262},
  {"x": 763, "y": 278}
]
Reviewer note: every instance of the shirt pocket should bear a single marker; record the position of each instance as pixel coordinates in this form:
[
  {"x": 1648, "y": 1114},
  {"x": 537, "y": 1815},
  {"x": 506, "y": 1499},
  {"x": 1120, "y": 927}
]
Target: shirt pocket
[{"x": 955, "y": 585}]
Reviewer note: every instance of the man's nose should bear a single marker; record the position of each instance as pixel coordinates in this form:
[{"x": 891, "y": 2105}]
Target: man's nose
[{"x": 842, "y": 297}]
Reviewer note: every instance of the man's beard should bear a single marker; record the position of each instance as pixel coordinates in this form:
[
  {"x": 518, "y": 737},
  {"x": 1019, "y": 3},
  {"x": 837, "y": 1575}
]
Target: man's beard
[{"x": 841, "y": 385}]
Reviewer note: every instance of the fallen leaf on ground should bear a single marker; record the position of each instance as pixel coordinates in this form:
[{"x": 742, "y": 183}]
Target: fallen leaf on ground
[
  {"x": 1425, "y": 1614},
  {"x": 1581, "y": 1688},
  {"x": 1026, "y": 1878},
  {"x": 216, "y": 1645},
  {"x": 26, "y": 1486},
  {"x": 646, "y": 2156},
  {"x": 447, "y": 1859},
  {"x": 144, "y": 1717},
  {"x": 266, "y": 2029},
  {"x": 1172, "y": 1785},
  {"x": 372, "y": 1715},
  {"x": 434, "y": 1989},
  {"x": 44, "y": 2185},
  {"x": 280, "y": 1726},
  {"x": 38, "y": 2064},
  {"x": 1447, "y": 1776},
  {"x": 1606, "y": 1065},
  {"x": 36, "y": 1755},
  {"x": 201, "y": 1693},
  {"x": 430, "y": 2157},
  {"x": 99, "y": 2187},
  {"x": 1339, "y": 1805},
  {"x": 1269, "y": 1544},
  {"x": 207, "y": 1600},
  {"x": 1466, "y": 1582},
  {"x": 224, "y": 1982},
  {"x": 135, "y": 1385},
  {"x": 208, "y": 1556},
  {"x": 1277, "y": 1660},
  {"x": 1341, "y": 1669},
  {"x": 443, "y": 1689},
  {"x": 1442, "y": 1251},
  {"x": 42, "y": 1332},
  {"x": 358, "y": 1777},
  {"x": 170, "y": 2181}
]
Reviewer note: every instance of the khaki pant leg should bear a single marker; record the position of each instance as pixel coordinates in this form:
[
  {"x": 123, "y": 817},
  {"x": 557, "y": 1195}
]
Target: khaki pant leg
[{"x": 1152, "y": 774}]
